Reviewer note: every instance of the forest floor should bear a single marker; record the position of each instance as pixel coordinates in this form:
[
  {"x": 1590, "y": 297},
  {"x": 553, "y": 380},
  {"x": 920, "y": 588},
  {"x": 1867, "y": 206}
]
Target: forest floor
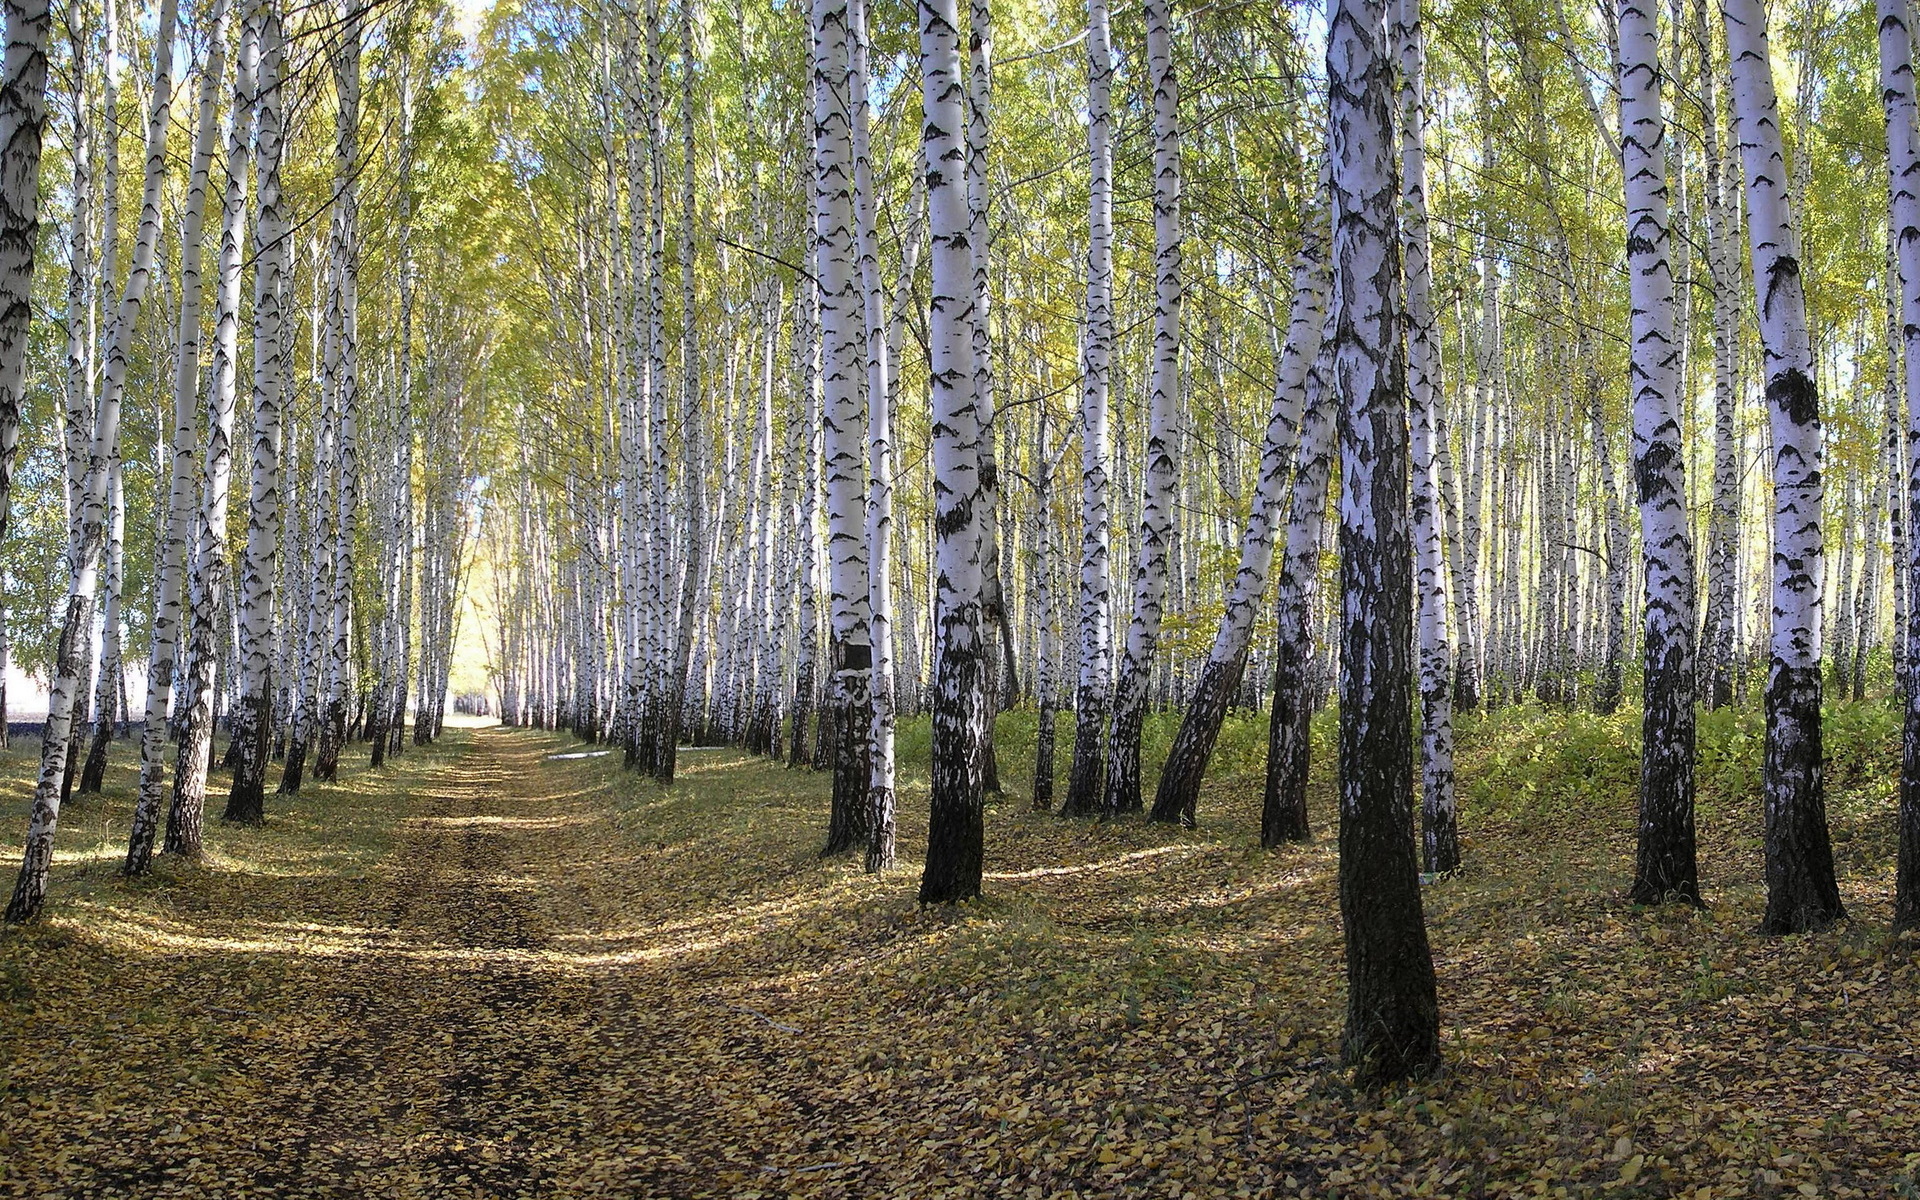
[{"x": 491, "y": 971}]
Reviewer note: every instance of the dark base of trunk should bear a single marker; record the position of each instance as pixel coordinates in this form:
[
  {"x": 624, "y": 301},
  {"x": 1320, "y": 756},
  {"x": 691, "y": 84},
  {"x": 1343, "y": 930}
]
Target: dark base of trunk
[
  {"x": 377, "y": 739},
  {"x": 93, "y": 776},
  {"x": 186, "y": 817},
  {"x": 1283, "y": 811},
  {"x": 1906, "y": 886},
  {"x": 849, "y": 823},
  {"x": 1440, "y": 843},
  {"x": 296, "y": 767},
  {"x": 1665, "y": 867},
  {"x": 1087, "y": 773},
  {"x": 1178, "y": 795},
  {"x": 333, "y": 734},
  {"x": 1122, "y": 793},
  {"x": 247, "y": 799},
  {"x": 797, "y": 742},
  {"x": 826, "y": 740},
  {"x": 956, "y": 814},
  {"x": 1466, "y": 690},
  {"x": 1802, "y": 893},
  {"x": 1043, "y": 740}
]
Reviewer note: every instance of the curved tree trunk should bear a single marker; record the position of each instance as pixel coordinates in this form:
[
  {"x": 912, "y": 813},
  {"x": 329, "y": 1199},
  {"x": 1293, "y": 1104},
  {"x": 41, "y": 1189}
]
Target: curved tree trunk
[
  {"x": 1283, "y": 812},
  {"x": 1179, "y": 788}
]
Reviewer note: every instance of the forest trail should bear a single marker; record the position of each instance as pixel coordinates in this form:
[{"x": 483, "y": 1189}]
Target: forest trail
[
  {"x": 507, "y": 967},
  {"x": 456, "y": 1022}
]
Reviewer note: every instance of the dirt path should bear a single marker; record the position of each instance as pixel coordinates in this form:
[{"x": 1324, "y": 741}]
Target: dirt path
[{"x": 453, "y": 1024}]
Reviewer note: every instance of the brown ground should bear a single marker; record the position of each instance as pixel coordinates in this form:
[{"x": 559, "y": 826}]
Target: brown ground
[{"x": 491, "y": 973}]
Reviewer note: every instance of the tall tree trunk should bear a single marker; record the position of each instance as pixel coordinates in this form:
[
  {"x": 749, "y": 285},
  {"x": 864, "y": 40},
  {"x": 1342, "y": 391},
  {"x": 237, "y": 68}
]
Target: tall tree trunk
[
  {"x": 1664, "y": 868},
  {"x": 23, "y": 119},
  {"x": 1393, "y": 1027},
  {"x": 1093, "y": 690},
  {"x": 165, "y": 641},
  {"x": 879, "y": 510},
  {"x": 1163, "y": 390},
  {"x": 1802, "y": 893},
  {"x": 207, "y": 586},
  {"x": 253, "y": 711},
  {"x": 841, "y": 336},
  {"x": 1440, "y": 841},
  {"x": 1903, "y": 161},
  {"x": 344, "y": 261},
  {"x": 956, "y": 815},
  {"x": 1723, "y": 265}
]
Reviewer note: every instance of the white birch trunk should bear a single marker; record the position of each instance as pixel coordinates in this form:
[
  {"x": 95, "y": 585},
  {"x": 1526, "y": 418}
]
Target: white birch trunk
[
  {"x": 1801, "y": 890},
  {"x": 1122, "y": 793},
  {"x": 254, "y": 709}
]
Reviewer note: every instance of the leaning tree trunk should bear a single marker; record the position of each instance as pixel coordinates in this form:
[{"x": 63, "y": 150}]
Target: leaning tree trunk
[
  {"x": 30, "y": 891},
  {"x": 1903, "y": 161},
  {"x": 1093, "y": 691},
  {"x": 253, "y": 711},
  {"x": 1179, "y": 789},
  {"x": 1163, "y": 390},
  {"x": 1802, "y": 893},
  {"x": 164, "y": 645},
  {"x": 956, "y": 814},
  {"x": 1393, "y": 1025},
  {"x": 207, "y": 587},
  {"x": 1283, "y": 814},
  {"x": 108, "y": 684},
  {"x": 1664, "y": 864}
]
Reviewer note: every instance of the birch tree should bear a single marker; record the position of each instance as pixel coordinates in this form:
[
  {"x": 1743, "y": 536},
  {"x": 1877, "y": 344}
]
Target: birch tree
[
  {"x": 253, "y": 707},
  {"x": 1903, "y": 197},
  {"x": 1092, "y": 693},
  {"x": 1392, "y": 1026},
  {"x": 1179, "y": 787},
  {"x": 956, "y": 817},
  {"x": 165, "y": 640},
  {"x": 1802, "y": 894},
  {"x": 1163, "y": 390},
  {"x": 842, "y": 335},
  {"x": 1665, "y": 867}
]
